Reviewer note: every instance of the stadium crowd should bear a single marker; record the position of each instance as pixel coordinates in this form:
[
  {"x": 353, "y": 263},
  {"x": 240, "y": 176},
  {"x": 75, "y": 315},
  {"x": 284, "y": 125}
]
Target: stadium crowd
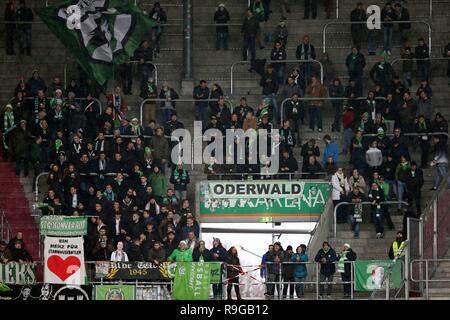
[{"x": 119, "y": 172}]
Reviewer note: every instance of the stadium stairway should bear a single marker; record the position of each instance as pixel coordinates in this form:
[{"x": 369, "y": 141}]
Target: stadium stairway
[
  {"x": 440, "y": 290},
  {"x": 16, "y": 207}
]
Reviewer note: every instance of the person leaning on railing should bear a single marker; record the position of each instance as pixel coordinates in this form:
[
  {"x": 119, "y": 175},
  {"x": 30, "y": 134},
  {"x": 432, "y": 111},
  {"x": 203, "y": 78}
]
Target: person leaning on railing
[
  {"x": 274, "y": 260},
  {"x": 345, "y": 267},
  {"x": 300, "y": 271},
  {"x": 326, "y": 256}
]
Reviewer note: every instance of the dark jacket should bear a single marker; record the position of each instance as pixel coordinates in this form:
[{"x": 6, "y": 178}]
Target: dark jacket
[
  {"x": 220, "y": 250},
  {"x": 269, "y": 83},
  {"x": 250, "y": 27},
  {"x": 274, "y": 266},
  {"x": 287, "y": 269},
  {"x": 355, "y": 64},
  {"x": 233, "y": 267},
  {"x": 222, "y": 16},
  {"x": 327, "y": 268},
  {"x": 156, "y": 255},
  {"x": 382, "y": 73},
  {"x": 196, "y": 254}
]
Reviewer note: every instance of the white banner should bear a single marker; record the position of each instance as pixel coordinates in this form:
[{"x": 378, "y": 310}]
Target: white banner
[{"x": 64, "y": 260}]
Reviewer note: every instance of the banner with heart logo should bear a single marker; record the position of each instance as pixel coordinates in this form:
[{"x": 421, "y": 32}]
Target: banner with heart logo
[{"x": 64, "y": 260}]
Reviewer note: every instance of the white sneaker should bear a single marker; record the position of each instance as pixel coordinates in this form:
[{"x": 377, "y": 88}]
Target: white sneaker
[
  {"x": 320, "y": 130},
  {"x": 378, "y": 235}
]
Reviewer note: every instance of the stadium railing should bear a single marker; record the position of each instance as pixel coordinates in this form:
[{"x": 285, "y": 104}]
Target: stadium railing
[
  {"x": 322, "y": 98},
  {"x": 271, "y": 61},
  {"x": 429, "y": 266},
  {"x": 363, "y": 203},
  {"x": 155, "y": 100},
  {"x": 324, "y": 30}
]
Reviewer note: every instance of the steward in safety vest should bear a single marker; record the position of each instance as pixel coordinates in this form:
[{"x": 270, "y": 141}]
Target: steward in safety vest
[{"x": 397, "y": 245}]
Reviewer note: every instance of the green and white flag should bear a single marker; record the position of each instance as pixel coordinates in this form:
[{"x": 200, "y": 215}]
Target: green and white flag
[
  {"x": 192, "y": 281},
  {"x": 369, "y": 274},
  {"x": 99, "y": 33},
  {"x": 115, "y": 292},
  {"x": 63, "y": 226}
]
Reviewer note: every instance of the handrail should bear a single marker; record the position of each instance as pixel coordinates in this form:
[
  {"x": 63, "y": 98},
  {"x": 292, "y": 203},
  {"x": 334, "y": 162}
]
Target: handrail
[
  {"x": 273, "y": 61},
  {"x": 92, "y": 174},
  {"x": 141, "y": 107},
  {"x": 411, "y": 134},
  {"x": 417, "y": 59},
  {"x": 362, "y": 203},
  {"x": 322, "y": 98},
  {"x": 426, "y": 261},
  {"x": 364, "y": 22},
  {"x": 291, "y": 175}
]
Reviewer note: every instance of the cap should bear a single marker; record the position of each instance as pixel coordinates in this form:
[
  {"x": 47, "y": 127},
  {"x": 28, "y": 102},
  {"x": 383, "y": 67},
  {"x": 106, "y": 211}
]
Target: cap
[
  {"x": 221, "y": 5},
  {"x": 347, "y": 245},
  {"x": 8, "y": 106}
]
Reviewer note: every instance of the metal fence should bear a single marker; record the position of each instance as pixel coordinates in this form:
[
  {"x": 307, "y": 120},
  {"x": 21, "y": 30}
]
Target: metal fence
[
  {"x": 145, "y": 101},
  {"x": 324, "y": 30},
  {"x": 271, "y": 61},
  {"x": 336, "y": 207},
  {"x": 322, "y": 98}
]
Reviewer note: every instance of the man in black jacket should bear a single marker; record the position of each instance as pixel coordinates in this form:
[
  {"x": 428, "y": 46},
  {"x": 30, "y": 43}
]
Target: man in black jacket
[
  {"x": 270, "y": 88},
  {"x": 402, "y": 14},
  {"x": 356, "y": 63},
  {"x": 288, "y": 165},
  {"x": 357, "y": 15},
  {"x": 24, "y": 14},
  {"x": 250, "y": 28},
  {"x": 423, "y": 52},
  {"x": 326, "y": 257},
  {"x": 414, "y": 185},
  {"x": 274, "y": 260},
  {"x": 143, "y": 55},
  {"x": 221, "y": 17}
]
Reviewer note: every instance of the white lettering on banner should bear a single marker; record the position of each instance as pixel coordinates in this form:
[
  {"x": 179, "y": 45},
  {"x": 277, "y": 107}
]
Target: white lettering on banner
[
  {"x": 17, "y": 273},
  {"x": 374, "y": 19},
  {"x": 64, "y": 260}
]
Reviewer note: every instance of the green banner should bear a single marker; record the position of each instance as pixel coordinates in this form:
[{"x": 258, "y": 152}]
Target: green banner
[
  {"x": 246, "y": 200},
  {"x": 115, "y": 292},
  {"x": 17, "y": 273},
  {"x": 369, "y": 274},
  {"x": 192, "y": 281},
  {"x": 216, "y": 272},
  {"x": 98, "y": 33},
  {"x": 63, "y": 226}
]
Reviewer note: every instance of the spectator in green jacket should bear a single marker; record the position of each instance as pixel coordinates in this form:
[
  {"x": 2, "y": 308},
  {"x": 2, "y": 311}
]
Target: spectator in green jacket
[
  {"x": 158, "y": 182},
  {"x": 402, "y": 173},
  {"x": 181, "y": 254}
]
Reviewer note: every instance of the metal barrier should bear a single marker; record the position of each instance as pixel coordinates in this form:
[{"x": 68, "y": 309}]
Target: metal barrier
[
  {"x": 272, "y": 61},
  {"x": 324, "y": 98},
  {"x": 315, "y": 280},
  {"x": 415, "y": 59},
  {"x": 141, "y": 108},
  {"x": 428, "y": 275},
  {"x": 100, "y": 106},
  {"x": 364, "y": 22},
  {"x": 287, "y": 176},
  {"x": 91, "y": 174},
  {"x": 363, "y": 203}
]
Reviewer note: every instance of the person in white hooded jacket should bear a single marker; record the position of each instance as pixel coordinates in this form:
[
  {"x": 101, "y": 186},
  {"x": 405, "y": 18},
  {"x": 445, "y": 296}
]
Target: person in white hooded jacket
[{"x": 339, "y": 192}]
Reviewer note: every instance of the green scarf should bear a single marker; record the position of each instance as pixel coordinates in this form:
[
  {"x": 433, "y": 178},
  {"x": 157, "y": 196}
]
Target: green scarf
[{"x": 8, "y": 120}]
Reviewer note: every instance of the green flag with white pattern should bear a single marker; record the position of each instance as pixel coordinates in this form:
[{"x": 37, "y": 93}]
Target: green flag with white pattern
[{"x": 99, "y": 33}]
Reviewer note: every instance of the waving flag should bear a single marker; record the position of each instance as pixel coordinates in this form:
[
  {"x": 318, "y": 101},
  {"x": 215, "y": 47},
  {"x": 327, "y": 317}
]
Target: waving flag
[{"x": 99, "y": 33}]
